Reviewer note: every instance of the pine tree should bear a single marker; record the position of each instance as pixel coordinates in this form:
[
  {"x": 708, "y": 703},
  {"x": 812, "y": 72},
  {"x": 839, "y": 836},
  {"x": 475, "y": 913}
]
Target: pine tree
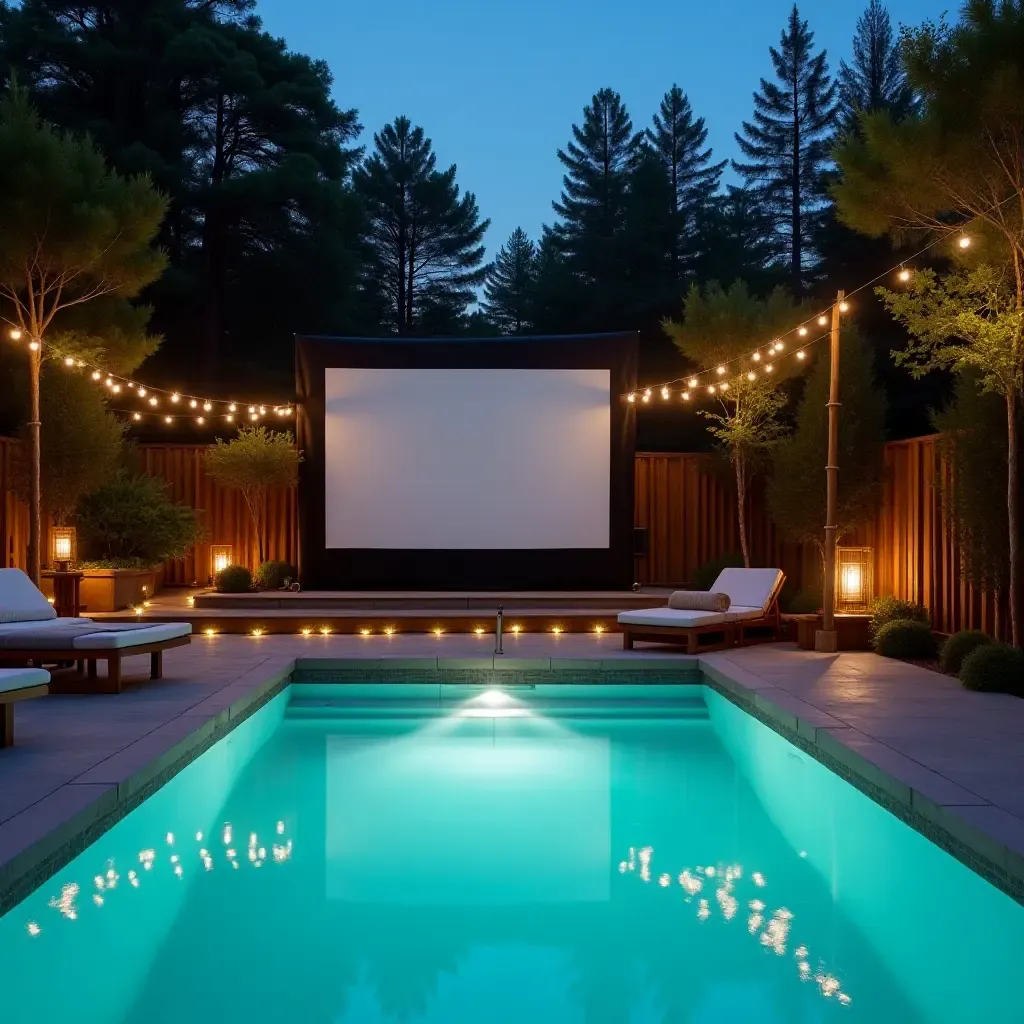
[
  {"x": 508, "y": 290},
  {"x": 678, "y": 139},
  {"x": 876, "y": 79},
  {"x": 787, "y": 142},
  {"x": 426, "y": 241}
]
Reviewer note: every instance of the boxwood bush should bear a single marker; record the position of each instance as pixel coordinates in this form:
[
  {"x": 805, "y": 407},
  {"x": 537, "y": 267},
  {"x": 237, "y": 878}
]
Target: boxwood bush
[
  {"x": 958, "y": 646},
  {"x": 892, "y": 609},
  {"x": 995, "y": 668},
  {"x": 905, "y": 638},
  {"x": 272, "y": 574},
  {"x": 235, "y": 579}
]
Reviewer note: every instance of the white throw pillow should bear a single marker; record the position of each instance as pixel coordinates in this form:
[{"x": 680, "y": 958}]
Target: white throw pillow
[{"x": 20, "y": 601}]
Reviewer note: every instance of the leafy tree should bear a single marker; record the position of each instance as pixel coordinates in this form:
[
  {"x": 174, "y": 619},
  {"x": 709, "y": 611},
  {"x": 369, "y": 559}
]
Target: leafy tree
[
  {"x": 961, "y": 161},
  {"x": 973, "y": 494},
  {"x": 426, "y": 241},
  {"x": 254, "y": 462},
  {"x": 720, "y": 327},
  {"x": 72, "y": 232},
  {"x": 508, "y": 289},
  {"x": 679, "y": 142},
  {"x": 81, "y": 444},
  {"x": 786, "y": 144},
  {"x": 875, "y": 79},
  {"x": 796, "y": 491}
]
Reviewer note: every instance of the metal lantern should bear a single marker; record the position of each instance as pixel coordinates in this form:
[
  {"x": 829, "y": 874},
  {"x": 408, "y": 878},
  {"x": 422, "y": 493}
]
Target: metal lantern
[
  {"x": 63, "y": 547},
  {"x": 220, "y": 558},
  {"x": 854, "y": 580}
]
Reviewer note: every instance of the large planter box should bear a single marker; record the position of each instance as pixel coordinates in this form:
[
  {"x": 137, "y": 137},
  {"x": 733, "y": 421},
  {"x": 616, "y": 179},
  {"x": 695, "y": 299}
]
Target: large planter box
[{"x": 113, "y": 590}]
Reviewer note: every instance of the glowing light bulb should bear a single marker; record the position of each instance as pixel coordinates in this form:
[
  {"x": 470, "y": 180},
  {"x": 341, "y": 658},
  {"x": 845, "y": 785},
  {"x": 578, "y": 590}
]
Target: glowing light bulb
[
  {"x": 844, "y": 307},
  {"x": 751, "y": 375},
  {"x": 109, "y": 382},
  {"x": 232, "y": 407},
  {"x": 631, "y": 397},
  {"x": 665, "y": 393},
  {"x": 720, "y": 371},
  {"x": 116, "y": 389},
  {"x": 438, "y": 631},
  {"x": 801, "y": 354},
  {"x": 904, "y": 275},
  {"x": 230, "y": 418},
  {"x": 768, "y": 367},
  {"x": 693, "y": 382},
  {"x": 175, "y": 397},
  {"x": 257, "y": 631},
  {"x": 389, "y": 631},
  {"x": 210, "y": 631},
  {"x": 154, "y": 401},
  {"x": 964, "y": 242},
  {"x": 141, "y": 392},
  {"x": 167, "y": 419},
  {"x": 364, "y": 632},
  {"x": 686, "y": 396},
  {"x": 200, "y": 420},
  {"x": 756, "y": 357},
  {"x": 207, "y": 407},
  {"x": 192, "y": 404},
  {"x": 711, "y": 389},
  {"x": 137, "y": 416},
  {"x": 254, "y": 416},
  {"x": 779, "y": 346},
  {"x": 517, "y": 629},
  {"x": 556, "y": 630},
  {"x": 33, "y": 346},
  {"x": 306, "y": 631},
  {"x": 263, "y": 410},
  {"x": 15, "y": 334},
  {"x": 325, "y": 630},
  {"x": 802, "y": 332},
  {"x": 724, "y": 386},
  {"x": 252, "y": 408},
  {"x": 69, "y": 361},
  {"x": 822, "y": 320},
  {"x": 599, "y": 628}
]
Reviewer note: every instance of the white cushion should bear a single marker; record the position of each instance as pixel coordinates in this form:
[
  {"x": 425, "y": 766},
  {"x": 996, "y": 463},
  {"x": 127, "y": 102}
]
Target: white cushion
[
  {"x": 131, "y": 637},
  {"x": 12, "y": 679},
  {"x": 686, "y": 619},
  {"x": 20, "y": 601},
  {"x": 752, "y": 588}
]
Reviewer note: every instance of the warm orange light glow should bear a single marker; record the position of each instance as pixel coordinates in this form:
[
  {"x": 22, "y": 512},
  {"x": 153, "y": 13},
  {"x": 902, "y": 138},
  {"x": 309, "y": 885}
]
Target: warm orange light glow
[
  {"x": 479, "y": 630},
  {"x": 306, "y": 631},
  {"x": 364, "y": 632},
  {"x": 257, "y": 631}
]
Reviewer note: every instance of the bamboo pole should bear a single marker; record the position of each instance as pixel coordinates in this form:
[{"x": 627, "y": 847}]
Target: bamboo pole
[{"x": 825, "y": 639}]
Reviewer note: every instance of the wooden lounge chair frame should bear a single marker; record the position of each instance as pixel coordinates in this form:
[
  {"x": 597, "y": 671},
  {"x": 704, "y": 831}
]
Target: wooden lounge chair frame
[
  {"x": 732, "y": 634},
  {"x": 8, "y": 698},
  {"x": 87, "y": 680}
]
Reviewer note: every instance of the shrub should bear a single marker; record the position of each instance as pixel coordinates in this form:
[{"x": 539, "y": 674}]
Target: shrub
[
  {"x": 132, "y": 518},
  {"x": 905, "y": 638},
  {"x": 235, "y": 579},
  {"x": 271, "y": 575},
  {"x": 958, "y": 646},
  {"x": 706, "y": 574},
  {"x": 889, "y": 609},
  {"x": 995, "y": 668},
  {"x": 805, "y": 601}
]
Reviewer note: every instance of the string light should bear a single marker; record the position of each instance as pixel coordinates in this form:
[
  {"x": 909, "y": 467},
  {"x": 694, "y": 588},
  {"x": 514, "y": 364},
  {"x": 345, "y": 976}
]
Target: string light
[
  {"x": 631, "y": 397},
  {"x": 68, "y": 361},
  {"x": 751, "y": 375},
  {"x": 175, "y": 397},
  {"x": 801, "y": 354},
  {"x": 686, "y": 396},
  {"x": 720, "y": 371},
  {"x": 136, "y": 416},
  {"x": 167, "y": 419},
  {"x": 724, "y": 386},
  {"x": 844, "y": 307},
  {"x": 802, "y": 332},
  {"x": 756, "y": 357},
  {"x": 711, "y": 389},
  {"x": 154, "y": 400},
  {"x": 665, "y": 393},
  {"x": 822, "y": 320},
  {"x": 904, "y": 275},
  {"x": 141, "y": 392},
  {"x": 15, "y": 334},
  {"x": 964, "y": 241},
  {"x": 193, "y": 404},
  {"x": 33, "y": 345},
  {"x": 768, "y": 367},
  {"x": 693, "y": 382}
]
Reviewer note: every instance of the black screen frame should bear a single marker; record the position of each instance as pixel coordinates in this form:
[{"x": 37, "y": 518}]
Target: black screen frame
[{"x": 323, "y": 568}]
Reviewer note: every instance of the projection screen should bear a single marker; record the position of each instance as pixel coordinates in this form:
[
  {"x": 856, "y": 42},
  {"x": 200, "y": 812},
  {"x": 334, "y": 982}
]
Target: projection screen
[{"x": 469, "y": 463}]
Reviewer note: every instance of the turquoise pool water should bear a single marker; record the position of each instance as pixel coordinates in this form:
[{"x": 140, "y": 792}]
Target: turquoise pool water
[{"x": 648, "y": 855}]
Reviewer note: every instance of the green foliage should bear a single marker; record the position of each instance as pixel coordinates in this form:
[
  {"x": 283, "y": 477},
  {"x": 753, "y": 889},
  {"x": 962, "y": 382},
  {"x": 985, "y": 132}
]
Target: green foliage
[
  {"x": 806, "y": 601},
  {"x": 994, "y": 668},
  {"x": 132, "y": 517},
  {"x": 973, "y": 444},
  {"x": 959, "y": 646},
  {"x": 796, "y": 492},
  {"x": 426, "y": 254},
  {"x": 234, "y": 579},
  {"x": 508, "y": 291},
  {"x": 784, "y": 166},
  {"x": 893, "y": 609},
  {"x": 905, "y": 638},
  {"x": 253, "y": 462},
  {"x": 115, "y": 563},
  {"x": 81, "y": 444},
  {"x": 705, "y": 575},
  {"x": 272, "y": 575}
]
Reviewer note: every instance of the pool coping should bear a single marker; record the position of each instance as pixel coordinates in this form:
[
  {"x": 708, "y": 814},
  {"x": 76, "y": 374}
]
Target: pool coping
[{"x": 812, "y": 730}]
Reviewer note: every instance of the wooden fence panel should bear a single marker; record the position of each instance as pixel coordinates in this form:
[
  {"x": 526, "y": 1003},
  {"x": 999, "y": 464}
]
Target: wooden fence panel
[{"x": 13, "y": 513}]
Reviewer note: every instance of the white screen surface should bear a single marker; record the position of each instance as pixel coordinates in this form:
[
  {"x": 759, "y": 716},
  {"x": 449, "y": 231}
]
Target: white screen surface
[{"x": 467, "y": 458}]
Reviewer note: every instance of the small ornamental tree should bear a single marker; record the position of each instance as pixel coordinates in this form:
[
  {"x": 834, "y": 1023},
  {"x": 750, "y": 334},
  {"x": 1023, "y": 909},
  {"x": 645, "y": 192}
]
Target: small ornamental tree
[
  {"x": 796, "y": 492},
  {"x": 255, "y": 461},
  {"x": 72, "y": 232},
  {"x": 720, "y": 326}
]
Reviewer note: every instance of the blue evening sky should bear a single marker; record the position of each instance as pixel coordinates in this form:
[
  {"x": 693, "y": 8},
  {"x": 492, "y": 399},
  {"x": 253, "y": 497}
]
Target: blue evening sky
[{"x": 497, "y": 84}]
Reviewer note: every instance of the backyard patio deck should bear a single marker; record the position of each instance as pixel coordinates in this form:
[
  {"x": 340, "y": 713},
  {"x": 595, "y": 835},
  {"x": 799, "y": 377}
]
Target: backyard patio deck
[{"x": 931, "y": 749}]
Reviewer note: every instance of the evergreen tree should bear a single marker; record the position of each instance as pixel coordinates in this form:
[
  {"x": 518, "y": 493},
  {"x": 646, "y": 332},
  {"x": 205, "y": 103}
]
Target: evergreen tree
[
  {"x": 679, "y": 140},
  {"x": 875, "y": 80},
  {"x": 426, "y": 250},
  {"x": 508, "y": 290},
  {"x": 786, "y": 145}
]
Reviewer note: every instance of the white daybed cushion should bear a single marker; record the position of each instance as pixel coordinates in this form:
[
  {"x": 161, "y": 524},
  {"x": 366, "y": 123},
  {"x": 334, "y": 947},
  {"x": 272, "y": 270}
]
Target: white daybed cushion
[
  {"x": 20, "y": 601},
  {"x": 752, "y": 588},
  {"x": 685, "y": 619},
  {"x": 12, "y": 679},
  {"x": 112, "y": 638}
]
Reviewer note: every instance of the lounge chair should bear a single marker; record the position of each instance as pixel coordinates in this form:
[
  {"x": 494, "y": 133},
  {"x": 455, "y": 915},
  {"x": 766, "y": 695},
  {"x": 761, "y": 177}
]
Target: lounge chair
[
  {"x": 31, "y": 632},
  {"x": 753, "y": 604},
  {"x": 18, "y": 684}
]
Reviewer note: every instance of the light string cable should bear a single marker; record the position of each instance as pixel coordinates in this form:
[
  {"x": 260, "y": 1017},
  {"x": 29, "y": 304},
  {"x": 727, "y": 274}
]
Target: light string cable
[{"x": 712, "y": 380}]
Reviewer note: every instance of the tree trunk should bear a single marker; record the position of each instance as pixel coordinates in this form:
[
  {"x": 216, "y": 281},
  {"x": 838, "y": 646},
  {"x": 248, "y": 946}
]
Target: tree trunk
[
  {"x": 797, "y": 240},
  {"x": 741, "y": 506},
  {"x": 35, "y": 512},
  {"x": 1012, "y": 503}
]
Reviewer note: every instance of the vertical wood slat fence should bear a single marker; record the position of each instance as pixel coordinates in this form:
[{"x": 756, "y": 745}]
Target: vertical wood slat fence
[{"x": 686, "y": 503}]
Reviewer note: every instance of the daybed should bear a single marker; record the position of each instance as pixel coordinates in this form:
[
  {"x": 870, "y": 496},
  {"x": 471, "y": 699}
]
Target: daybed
[{"x": 18, "y": 684}]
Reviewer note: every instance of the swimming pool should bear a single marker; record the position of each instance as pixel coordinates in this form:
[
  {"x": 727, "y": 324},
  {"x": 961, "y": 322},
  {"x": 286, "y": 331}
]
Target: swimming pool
[{"x": 548, "y": 854}]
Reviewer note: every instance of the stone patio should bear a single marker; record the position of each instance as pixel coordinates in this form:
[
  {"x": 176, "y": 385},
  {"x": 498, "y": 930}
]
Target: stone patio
[{"x": 931, "y": 749}]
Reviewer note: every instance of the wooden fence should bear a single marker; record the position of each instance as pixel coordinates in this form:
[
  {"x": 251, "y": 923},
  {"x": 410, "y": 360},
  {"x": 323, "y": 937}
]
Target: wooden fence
[{"x": 684, "y": 501}]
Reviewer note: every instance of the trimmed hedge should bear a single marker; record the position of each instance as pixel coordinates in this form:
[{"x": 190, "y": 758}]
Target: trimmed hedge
[
  {"x": 994, "y": 668},
  {"x": 958, "y": 646},
  {"x": 271, "y": 575},
  {"x": 894, "y": 609},
  {"x": 905, "y": 638},
  {"x": 235, "y": 579}
]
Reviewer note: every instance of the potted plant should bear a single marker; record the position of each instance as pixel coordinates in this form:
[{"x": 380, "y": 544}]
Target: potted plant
[{"x": 130, "y": 527}]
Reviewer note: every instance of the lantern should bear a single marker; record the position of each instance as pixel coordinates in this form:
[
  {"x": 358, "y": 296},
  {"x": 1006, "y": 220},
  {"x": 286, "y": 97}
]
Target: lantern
[
  {"x": 63, "y": 547},
  {"x": 854, "y": 580},
  {"x": 220, "y": 557}
]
